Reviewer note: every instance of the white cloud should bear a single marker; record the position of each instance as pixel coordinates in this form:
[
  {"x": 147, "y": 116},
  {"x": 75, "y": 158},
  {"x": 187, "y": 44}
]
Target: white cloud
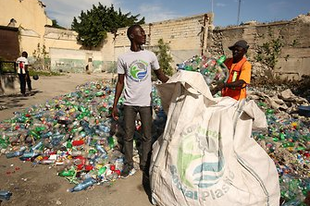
[
  {"x": 155, "y": 13},
  {"x": 220, "y": 4},
  {"x": 64, "y": 10}
]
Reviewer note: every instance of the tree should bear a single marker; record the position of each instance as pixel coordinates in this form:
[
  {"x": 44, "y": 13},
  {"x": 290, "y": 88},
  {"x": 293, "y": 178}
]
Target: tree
[
  {"x": 164, "y": 58},
  {"x": 93, "y": 25},
  {"x": 56, "y": 25}
]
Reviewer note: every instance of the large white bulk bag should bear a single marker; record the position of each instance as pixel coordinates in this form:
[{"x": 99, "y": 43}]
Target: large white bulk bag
[{"x": 206, "y": 155}]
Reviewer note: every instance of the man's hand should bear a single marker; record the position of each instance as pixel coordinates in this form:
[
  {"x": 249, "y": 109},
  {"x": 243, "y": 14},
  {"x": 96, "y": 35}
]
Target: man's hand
[
  {"x": 218, "y": 87},
  {"x": 115, "y": 113}
]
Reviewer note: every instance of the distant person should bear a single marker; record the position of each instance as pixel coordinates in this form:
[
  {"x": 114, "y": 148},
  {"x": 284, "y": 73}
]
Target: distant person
[
  {"x": 23, "y": 73},
  {"x": 239, "y": 72},
  {"x": 134, "y": 72}
]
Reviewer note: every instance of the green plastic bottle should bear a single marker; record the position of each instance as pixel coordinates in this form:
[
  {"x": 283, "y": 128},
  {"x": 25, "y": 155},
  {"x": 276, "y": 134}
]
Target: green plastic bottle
[
  {"x": 67, "y": 173},
  {"x": 221, "y": 60},
  {"x": 102, "y": 170}
]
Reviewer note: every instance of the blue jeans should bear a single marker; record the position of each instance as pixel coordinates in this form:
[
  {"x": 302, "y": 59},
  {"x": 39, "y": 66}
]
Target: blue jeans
[{"x": 130, "y": 114}]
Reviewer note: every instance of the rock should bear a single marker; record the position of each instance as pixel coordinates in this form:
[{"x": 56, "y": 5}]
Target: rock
[{"x": 287, "y": 95}]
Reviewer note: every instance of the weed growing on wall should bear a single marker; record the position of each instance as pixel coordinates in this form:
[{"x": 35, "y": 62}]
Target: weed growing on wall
[
  {"x": 41, "y": 60},
  {"x": 269, "y": 52},
  {"x": 164, "y": 58}
]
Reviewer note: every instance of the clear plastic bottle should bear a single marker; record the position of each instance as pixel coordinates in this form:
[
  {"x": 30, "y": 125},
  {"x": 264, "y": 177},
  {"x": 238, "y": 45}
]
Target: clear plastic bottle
[
  {"x": 83, "y": 185},
  {"x": 14, "y": 154},
  {"x": 102, "y": 151},
  {"x": 5, "y": 195}
]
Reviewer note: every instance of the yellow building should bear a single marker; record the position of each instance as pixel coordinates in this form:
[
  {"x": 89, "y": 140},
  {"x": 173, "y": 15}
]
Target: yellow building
[{"x": 35, "y": 32}]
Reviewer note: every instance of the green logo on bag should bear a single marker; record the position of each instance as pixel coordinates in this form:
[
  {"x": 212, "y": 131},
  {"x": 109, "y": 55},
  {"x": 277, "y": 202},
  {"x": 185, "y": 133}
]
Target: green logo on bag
[{"x": 200, "y": 161}]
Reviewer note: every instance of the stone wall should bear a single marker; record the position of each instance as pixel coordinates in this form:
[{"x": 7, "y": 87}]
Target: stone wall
[{"x": 294, "y": 58}]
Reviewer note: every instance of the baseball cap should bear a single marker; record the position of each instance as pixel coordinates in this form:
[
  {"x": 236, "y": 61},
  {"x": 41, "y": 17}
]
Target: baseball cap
[{"x": 241, "y": 43}]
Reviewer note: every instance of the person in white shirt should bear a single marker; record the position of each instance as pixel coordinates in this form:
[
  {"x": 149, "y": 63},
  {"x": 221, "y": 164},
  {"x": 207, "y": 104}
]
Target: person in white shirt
[
  {"x": 23, "y": 73},
  {"x": 134, "y": 73}
]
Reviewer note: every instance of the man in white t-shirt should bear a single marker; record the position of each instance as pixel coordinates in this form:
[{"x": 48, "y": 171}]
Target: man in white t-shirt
[
  {"x": 23, "y": 73},
  {"x": 134, "y": 73}
]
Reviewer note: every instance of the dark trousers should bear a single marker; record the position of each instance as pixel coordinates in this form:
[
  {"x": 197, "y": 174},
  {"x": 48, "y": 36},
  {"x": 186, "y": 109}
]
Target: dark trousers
[
  {"x": 28, "y": 80},
  {"x": 22, "y": 81},
  {"x": 130, "y": 114}
]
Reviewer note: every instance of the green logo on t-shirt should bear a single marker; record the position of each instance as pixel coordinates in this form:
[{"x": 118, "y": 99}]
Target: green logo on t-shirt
[{"x": 138, "y": 70}]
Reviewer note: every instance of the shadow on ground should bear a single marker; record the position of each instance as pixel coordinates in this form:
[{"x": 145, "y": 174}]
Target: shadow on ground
[{"x": 15, "y": 100}]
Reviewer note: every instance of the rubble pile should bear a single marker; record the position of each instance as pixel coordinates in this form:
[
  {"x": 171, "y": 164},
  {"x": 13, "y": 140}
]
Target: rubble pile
[{"x": 287, "y": 140}]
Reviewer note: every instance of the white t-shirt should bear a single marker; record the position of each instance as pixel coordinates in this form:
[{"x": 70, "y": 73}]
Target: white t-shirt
[
  {"x": 21, "y": 65},
  {"x": 137, "y": 68}
]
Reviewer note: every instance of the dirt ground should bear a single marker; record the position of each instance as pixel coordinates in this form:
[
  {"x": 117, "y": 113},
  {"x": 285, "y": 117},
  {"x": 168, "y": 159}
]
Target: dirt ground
[{"x": 39, "y": 185}]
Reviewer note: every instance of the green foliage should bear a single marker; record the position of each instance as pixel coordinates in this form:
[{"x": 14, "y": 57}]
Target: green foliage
[
  {"x": 164, "y": 58},
  {"x": 269, "y": 52},
  {"x": 56, "y": 25},
  {"x": 92, "y": 26},
  {"x": 6, "y": 67}
]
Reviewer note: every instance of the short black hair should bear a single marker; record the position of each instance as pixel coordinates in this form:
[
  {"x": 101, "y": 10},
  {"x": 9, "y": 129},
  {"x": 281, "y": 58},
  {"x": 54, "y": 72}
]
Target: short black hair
[
  {"x": 24, "y": 54},
  {"x": 131, "y": 29}
]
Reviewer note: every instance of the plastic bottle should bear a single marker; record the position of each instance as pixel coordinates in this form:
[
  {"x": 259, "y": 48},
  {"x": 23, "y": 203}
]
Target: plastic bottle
[
  {"x": 104, "y": 128},
  {"x": 221, "y": 60},
  {"x": 67, "y": 173},
  {"x": 14, "y": 154},
  {"x": 83, "y": 185},
  {"x": 86, "y": 127},
  {"x": 37, "y": 146},
  {"x": 102, "y": 151},
  {"x": 28, "y": 155},
  {"x": 3, "y": 143},
  {"x": 46, "y": 135},
  {"x": 102, "y": 170},
  {"x": 34, "y": 134},
  {"x": 111, "y": 142},
  {"x": 5, "y": 195}
]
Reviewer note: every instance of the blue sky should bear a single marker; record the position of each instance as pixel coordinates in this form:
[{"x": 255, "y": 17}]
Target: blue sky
[{"x": 226, "y": 11}]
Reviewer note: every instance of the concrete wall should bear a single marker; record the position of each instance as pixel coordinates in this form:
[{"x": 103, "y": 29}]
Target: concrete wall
[
  {"x": 9, "y": 83},
  {"x": 29, "y": 41},
  {"x": 294, "y": 58},
  {"x": 109, "y": 55},
  {"x": 60, "y": 38},
  {"x": 70, "y": 60}
]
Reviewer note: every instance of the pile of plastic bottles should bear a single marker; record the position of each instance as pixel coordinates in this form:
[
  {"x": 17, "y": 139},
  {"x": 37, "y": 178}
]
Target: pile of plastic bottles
[
  {"x": 73, "y": 132},
  {"x": 287, "y": 142},
  {"x": 212, "y": 69},
  {"x": 76, "y": 134}
]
